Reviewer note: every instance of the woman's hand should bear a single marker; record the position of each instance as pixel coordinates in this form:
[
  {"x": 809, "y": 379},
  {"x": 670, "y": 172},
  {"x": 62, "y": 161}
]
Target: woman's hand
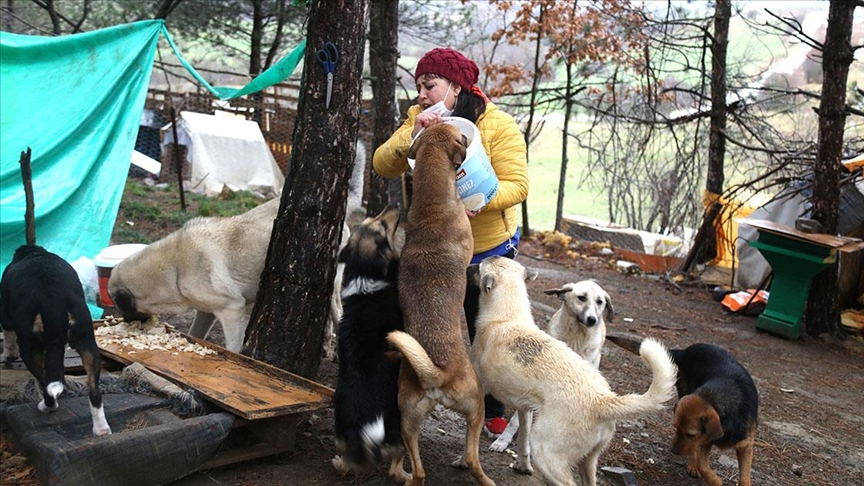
[{"x": 425, "y": 120}]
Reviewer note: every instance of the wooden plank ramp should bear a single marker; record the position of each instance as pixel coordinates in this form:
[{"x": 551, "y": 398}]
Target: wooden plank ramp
[{"x": 246, "y": 387}]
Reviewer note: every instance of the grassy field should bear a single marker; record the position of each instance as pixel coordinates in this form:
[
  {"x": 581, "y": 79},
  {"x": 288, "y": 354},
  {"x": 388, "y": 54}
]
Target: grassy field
[{"x": 544, "y": 173}]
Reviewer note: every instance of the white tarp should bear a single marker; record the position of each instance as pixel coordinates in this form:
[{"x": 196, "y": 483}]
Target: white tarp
[{"x": 225, "y": 151}]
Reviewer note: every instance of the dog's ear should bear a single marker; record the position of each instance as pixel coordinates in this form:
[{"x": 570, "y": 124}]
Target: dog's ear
[
  {"x": 711, "y": 425},
  {"x": 487, "y": 282},
  {"x": 609, "y": 313},
  {"x": 472, "y": 272},
  {"x": 559, "y": 292},
  {"x": 343, "y": 255},
  {"x": 458, "y": 151}
]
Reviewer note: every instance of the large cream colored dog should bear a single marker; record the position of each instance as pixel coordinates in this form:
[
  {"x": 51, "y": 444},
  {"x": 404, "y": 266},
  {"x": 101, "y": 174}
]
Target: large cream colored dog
[
  {"x": 438, "y": 247},
  {"x": 528, "y": 369},
  {"x": 212, "y": 265},
  {"x": 580, "y": 323}
]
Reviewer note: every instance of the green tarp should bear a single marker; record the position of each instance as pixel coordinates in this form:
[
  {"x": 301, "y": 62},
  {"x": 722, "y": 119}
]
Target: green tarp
[{"x": 76, "y": 101}]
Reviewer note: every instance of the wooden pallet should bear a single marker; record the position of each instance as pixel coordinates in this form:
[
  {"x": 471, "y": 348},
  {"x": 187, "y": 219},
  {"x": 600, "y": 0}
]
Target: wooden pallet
[
  {"x": 246, "y": 387},
  {"x": 265, "y": 399}
]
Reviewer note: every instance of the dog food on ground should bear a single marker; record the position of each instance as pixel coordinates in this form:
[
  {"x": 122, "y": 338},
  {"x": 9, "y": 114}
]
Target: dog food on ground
[{"x": 150, "y": 334}]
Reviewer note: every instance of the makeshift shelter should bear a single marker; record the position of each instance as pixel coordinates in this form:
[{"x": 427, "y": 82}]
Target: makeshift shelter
[
  {"x": 77, "y": 101},
  {"x": 225, "y": 151}
]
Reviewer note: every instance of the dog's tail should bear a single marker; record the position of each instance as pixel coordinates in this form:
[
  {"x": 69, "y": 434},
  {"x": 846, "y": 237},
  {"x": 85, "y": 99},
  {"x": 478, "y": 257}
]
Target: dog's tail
[
  {"x": 629, "y": 343},
  {"x": 429, "y": 374},
  {"x": 662, "y": 387}
]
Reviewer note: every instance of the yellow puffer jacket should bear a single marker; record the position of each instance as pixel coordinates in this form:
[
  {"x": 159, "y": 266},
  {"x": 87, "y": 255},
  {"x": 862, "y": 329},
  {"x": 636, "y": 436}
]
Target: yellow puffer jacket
[{"x": 505, "y": 147}]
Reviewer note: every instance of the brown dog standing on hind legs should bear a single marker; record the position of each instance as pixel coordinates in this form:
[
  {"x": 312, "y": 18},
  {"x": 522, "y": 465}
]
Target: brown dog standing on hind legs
[{"x": 438, "y": 248}]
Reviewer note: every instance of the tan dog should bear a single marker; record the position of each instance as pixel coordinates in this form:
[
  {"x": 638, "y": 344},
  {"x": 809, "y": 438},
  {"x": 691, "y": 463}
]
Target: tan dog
[
  {"x": 212, "y": 265},
  {"x": 528, "y": 369},
  {"x": 438, "y": 247},
  {"x": 580, "y": 323}
]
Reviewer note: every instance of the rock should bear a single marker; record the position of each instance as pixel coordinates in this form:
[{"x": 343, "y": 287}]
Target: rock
[{"x": 620, "y": 476}]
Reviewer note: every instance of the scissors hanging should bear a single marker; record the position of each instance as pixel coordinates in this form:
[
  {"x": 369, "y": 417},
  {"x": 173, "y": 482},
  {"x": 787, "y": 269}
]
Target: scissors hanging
[{"x": 328, "y": 56}]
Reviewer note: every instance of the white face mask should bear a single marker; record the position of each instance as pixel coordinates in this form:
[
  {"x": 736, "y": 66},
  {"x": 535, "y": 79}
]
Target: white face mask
[{"x": 440, "y": 107}]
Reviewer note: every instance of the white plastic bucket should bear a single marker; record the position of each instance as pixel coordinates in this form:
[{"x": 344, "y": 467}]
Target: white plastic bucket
[
  {"x": 476, "y": 181},
  {"x": 106, "y": 260}
]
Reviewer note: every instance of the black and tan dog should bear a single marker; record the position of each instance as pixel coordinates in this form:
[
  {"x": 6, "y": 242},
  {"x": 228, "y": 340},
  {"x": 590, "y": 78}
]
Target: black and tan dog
[
  {"x": 42, "y": 301},
  {"x": 718, "y": 406},
  {"x": 438, "y": 247},
  {"x": 366, "y": 404}
]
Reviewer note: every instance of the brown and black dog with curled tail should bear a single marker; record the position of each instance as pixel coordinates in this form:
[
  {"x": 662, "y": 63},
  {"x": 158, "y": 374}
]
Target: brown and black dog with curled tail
[
  {"x": 718, "y": 405},
  {"x": 438, "y": 248}
]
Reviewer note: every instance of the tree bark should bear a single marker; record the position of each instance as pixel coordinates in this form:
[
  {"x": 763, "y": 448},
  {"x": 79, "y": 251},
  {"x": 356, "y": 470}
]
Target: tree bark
[
  {"x": 717, "y": 136},
  {"x": 823, "y": 303},
  {"x": 288, "y": 320},
  {"x": 383, "y": 55},
  {"x": 256, "y": 38}
]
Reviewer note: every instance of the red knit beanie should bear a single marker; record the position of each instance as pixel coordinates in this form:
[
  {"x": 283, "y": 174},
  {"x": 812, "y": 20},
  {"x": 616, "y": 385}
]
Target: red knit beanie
[{"x": 450, "y": 64}]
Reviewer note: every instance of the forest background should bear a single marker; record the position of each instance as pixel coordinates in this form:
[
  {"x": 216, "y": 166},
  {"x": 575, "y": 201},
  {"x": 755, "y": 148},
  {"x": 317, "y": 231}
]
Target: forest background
[
  {"x": 636, "y": 130},
  {"x": 661, "y": 110}
]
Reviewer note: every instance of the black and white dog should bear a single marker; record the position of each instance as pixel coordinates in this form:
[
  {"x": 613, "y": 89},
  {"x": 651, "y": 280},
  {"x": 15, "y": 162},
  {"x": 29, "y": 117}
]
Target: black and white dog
[
  {"x": 42, "y": 301},
  {"x": 366, "y": 409}
]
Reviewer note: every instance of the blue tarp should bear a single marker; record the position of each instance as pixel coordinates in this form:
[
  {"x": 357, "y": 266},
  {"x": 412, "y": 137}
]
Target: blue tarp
[{"x": 76, "y": 101}]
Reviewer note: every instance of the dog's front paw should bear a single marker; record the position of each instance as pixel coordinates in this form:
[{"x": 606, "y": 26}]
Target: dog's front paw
[
  {"x": 523, "y": 466},
  {"x": 400, "y": 476},
  {"x": 693, "y": 471},
  {"x": 10, "y": 347},
  {"x": 339, "y": 464},
  {"x": 101, "y": 430},
  {"x": 500, "y": 444},
  {"x": 45, "y": 408}
]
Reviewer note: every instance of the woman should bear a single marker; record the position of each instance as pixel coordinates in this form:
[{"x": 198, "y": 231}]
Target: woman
[{"x": 446, "y": 84}]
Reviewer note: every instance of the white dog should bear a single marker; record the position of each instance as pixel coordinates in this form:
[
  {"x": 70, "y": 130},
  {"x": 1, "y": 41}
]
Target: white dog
[
  {"x": 212, "y": 265},
  {"x": 528, "y": 369},
  {"x": 581, "y": 323},
  {"x": 581, "y": 320}
]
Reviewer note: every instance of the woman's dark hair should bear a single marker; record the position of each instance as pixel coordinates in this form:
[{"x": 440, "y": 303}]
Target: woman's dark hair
[{"x": 469, "y": 106}]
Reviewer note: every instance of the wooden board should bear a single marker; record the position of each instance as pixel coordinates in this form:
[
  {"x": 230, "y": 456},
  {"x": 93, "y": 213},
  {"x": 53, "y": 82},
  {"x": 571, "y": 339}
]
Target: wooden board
[
  {"x": 241, "y": 385},
  {"x": 841, "y": 243},
  {"x": 652, "y": 263}
]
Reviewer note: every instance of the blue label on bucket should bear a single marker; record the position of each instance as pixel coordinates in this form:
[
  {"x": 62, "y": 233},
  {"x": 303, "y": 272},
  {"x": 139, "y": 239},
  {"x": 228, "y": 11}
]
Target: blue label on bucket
[{"x": 476, "y": 181}]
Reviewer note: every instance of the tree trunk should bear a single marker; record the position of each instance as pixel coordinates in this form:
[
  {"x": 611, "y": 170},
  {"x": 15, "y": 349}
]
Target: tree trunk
[
  {"x": 535, "y": 84},
  {"x": 562, "y": 181},
  {"x": 717, "y": 137},
  {"x": 10, "y": 14},
  {"x": 823, "y": 303},
  {"x": 288, "y": 320},
  {"x": 383, "y": 54},
  {"x": 256, "y": 38},
  {"x": 55, "y": 19}
]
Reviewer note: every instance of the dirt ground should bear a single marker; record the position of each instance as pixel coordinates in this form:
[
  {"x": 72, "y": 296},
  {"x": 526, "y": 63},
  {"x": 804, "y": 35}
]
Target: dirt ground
[
  {"x": 811, "y": 428},
  {"x": 811, "y": 394}
]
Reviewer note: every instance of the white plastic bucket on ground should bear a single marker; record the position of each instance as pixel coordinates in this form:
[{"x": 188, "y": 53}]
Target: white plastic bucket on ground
[
  {"x": 476, "y": 181},
  {"x": 105, "y": 261}
]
